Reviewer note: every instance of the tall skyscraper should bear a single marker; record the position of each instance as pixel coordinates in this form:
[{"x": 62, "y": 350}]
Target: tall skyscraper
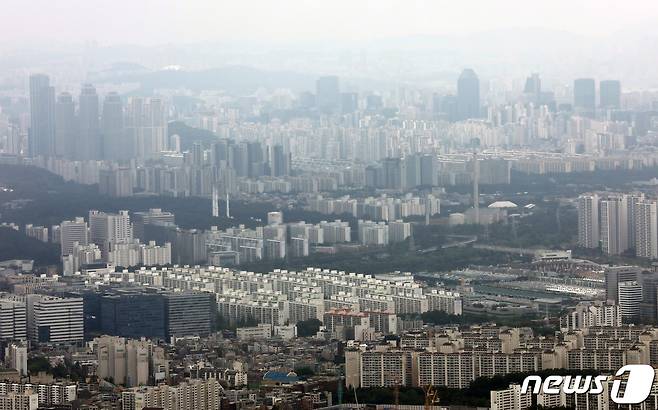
[
  {"x": 394, "y": 171},
  {"x": 256, "y": 159},
  {"x": 646, "y": 229},
  {"x": 280, "y": 162},
  {"x": 532, "y": 88},
  {"x": 428, "y": 170},
  {"x": 65, "y": 126},
  {"x": 588, "y": 221},
  {"x": 614, "y": 224},
  {"x": 468, "y": 95},
  {"x": 114, "y": 142},
  {"x": 413, "y": 170},
  {"x": 328, "y": 94},
  {"x": 89, "y": 135},
  {"x": 584, "y": 95},
  {"x": 610, "y": 94},
  {"x": 42, "y": 116}
]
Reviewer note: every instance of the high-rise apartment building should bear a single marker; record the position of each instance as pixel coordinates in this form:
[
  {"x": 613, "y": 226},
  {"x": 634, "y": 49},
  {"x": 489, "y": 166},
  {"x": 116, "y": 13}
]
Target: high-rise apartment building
[
  {"x": 146, "y": 127},
  {"x": 16, "y": 358},
  {"x": 27, "y": 400},
  {"x": 279, "y": 162},
  {"x": 510, "y": 398},
  {"x": 129, "y": 362},
  {"x": 107, "y": 228},
  {"x": 630, "y": 298},
  {"x": 72, "y": 232},
  {"x": 614, "y": 224},
  {"x": 117, "y": 182},
  {"x": 193, "y": 394},
  {"x": 89, "y": 143},
  {"x": 66, "y": 127},
  {"x": 588, "y": 221},
  {"x": 646, "y": 229},
  {"x": 633, "y": 200},
  {"x": 115, "y": 145},
  {"x": 42, "y": 116}
]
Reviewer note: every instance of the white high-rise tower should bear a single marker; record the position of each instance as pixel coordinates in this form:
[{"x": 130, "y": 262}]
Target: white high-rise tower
[
  {"x": 215, "y": 202},
  {"x": 588, "y": 220}
]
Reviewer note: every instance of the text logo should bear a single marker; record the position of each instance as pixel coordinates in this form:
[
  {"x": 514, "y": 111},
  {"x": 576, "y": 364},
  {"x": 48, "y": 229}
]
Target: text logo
[
  {"x": 638, "y": 387},
  {"x": 569, "y": 384},
  {"x": 638, "y": 384}
]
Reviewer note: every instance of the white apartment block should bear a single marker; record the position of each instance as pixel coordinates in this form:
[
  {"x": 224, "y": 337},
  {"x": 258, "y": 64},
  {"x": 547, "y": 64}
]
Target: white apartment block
[
  {"x": 614, "y": 224},
  {"x": 646, "y": 229},
  {"x": 591, "y": 314},
  {"x": 13, "y": 318},
  {"x": 588, "y": 221},
  {"x": 46, "y": 394},
  {"x": 27, "y": 400},
  {"x": 282, "y": 295},
  {"x": 133, "y": 253},
  {"x": 510, "y": 398},
  {"x": 262, "y": 331},
  {"x": 129, "y": 362},
  {"x": 54, "y": 320},
  {"x": 192, "y": 394},
  {"x": 71, "y": 232},
  {"x": 444, "y": 301},
  {"x": 373, "y": 233},
  {"x": 398, "y": 231},
  {"x": 107, "y": 228}
]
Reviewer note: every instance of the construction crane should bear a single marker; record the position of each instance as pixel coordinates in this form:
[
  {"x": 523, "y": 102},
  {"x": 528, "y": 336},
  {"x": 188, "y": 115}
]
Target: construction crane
[
  {"x": 396, "y": 392},
  {"x": 431, "y": 396}
]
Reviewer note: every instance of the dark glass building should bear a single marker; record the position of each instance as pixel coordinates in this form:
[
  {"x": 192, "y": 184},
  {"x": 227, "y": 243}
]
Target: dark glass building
[
  {"x": 134, "y": 314},
  {"x": 468, "y": 95},
  {"x": 42, "y": 116},
  {"x": 189, "y": 313},
  {"x": 584, "y": 95},
  {"x": 610, "y": 94}
]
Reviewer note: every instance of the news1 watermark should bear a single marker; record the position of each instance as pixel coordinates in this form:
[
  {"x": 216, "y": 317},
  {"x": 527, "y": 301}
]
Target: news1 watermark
[{"x": 639, "y": 379}]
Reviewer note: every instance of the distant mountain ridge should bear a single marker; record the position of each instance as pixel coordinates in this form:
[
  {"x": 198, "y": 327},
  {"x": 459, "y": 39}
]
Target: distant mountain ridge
[{"x": 239, "y": 80}]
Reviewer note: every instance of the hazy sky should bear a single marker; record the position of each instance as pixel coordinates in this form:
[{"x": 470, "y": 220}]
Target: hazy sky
[{"x": 184, "y": 21}]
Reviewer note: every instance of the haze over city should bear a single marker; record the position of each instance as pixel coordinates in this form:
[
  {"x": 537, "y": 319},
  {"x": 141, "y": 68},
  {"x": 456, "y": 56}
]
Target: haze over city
[{"x": 328, "y": 205}]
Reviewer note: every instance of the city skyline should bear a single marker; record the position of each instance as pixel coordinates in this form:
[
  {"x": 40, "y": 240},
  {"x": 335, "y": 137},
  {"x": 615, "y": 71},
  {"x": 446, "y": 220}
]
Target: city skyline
[{"x": 328, "y": 205}]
